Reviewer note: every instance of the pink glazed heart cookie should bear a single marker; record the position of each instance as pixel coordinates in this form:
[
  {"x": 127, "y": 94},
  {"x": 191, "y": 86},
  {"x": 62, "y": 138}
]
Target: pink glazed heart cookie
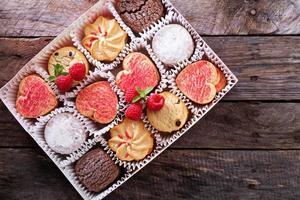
[
  {"x": 198, "y": 81},
  {"x": 138, "y": 71},
  {"x": 35, "y": 98},
  {"x": 98, "y": 102}
]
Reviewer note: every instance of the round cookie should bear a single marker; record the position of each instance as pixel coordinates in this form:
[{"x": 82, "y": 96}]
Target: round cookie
[
  {"x": 66, "y": 56},
  {"x": 172, "y": 44},
  {"x": 131, "y": 140},
  {"x": 35, "y": 98},
  {"x": 140, "y": 14},
  {"x": 96, "y": 170},
  {"x": 104, "y": 39},
  {"x": 171, "y": 117},
  {"x": 64, "y": 133}
]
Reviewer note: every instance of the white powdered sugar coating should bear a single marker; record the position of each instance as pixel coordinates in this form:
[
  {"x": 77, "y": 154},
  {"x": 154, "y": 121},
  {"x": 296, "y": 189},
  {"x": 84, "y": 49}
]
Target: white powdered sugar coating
[
  {"x": 64, "y": 133},
  {"x": 173, "y": 44}
]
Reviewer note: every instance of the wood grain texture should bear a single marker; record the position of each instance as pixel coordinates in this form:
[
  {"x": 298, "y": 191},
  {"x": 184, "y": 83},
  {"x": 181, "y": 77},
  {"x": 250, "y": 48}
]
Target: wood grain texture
[
  {"x": 210, "y": 17},
  {"x": 228, "y": 126},
  {"x": 267, "y": 67},
  {"x": 247, "y": 175}
]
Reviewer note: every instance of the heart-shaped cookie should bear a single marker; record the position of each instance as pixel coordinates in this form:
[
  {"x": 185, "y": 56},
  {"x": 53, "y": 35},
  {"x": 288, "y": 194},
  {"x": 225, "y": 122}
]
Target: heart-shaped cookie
[
  {"x": 98, "y": 102},
  {"x": 198, "y": 81},
  {"x": 138, "y": 71},
  {"x": 222, "y": 81},
  {"x": 35, "y": 98}
]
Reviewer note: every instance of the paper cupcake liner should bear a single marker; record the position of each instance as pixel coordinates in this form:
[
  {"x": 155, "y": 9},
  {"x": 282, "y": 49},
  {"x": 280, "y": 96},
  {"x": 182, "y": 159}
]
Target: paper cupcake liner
[
  {"x": 77, "y": 34},
  {"x": 38, "y": 130},
  {"x": 10, "y": 91},
  {"x": 142, "y": 46},
  {"x": 72, "y": 37},
  {"x": 213, "y": 58},
  {"x": 69, "y": 172},
  {"x": 167, "y": 5},
  {"x": 132, "y": 165},
  {"x": 174, "y": 18},
  {"x": 95, "y": 76}
]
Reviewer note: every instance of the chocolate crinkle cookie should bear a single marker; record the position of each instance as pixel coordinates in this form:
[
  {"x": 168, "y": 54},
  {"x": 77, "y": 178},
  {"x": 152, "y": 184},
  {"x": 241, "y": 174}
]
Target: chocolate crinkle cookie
[
  {"x": 140, "y": 14},
  {"x": 96, "y": 170}
]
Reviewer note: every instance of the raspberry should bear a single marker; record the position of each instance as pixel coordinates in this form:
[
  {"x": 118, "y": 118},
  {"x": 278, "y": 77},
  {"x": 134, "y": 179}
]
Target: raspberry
[
  {"x": 155, "y": 102},
  {"x": 64, "y": 83},
  {"x": 77, "y": 71},
  {"x": 130, "y": 94},
  {"x": 134, "y": 111}
]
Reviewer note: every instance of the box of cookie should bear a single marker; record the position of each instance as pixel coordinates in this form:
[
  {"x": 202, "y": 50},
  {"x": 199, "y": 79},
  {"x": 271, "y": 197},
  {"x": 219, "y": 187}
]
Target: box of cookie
[{"x": 115, "y": 89}]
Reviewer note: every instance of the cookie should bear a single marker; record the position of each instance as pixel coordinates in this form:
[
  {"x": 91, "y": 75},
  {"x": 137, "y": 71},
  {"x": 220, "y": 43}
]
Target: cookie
[
  {"x": 131, "y": 140},
  {"x": 198, "y": 81},
  {"x": 35, "y": 98},
  {"x": 98, "y": 102},
  {"x": 222, "y": 81},
  {"x": 138, "y": 71},
  {"x": 172, "y": 44},
  {"x": 64, "y": 133},
  {"x": 139, "y": 15},
  {"x": 104, "y": 39},
  {"x": 66, "y": 57},
  {"x": 96, "y": 170},
  {"x": 171, "y": 117}
]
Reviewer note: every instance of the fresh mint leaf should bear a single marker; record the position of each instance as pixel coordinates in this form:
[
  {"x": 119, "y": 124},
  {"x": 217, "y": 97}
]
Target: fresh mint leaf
[
  {"x": 52, "y": 78},
  {"x": 58, "y": 70},
  {"x": 64, "y": 73},
  {"x": 139, "y": 90},
  {"x": 136, "y": 99},
  {"x": 148, "y": 90}
]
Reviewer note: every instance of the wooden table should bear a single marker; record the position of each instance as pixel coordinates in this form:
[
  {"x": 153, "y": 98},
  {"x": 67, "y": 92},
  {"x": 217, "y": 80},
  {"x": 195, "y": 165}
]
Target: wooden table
[{"x": 247, "y": 147}]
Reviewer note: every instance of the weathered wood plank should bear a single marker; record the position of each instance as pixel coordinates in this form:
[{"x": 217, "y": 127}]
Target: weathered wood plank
[
  {"x": 230, "y": 125},
  {"x": 267, "y": 67},
  {"x": 176, "y": 174},
  {"x": 209, "y": 17}
]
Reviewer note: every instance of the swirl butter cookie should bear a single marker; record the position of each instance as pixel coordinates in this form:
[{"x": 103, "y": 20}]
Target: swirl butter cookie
[{"x": 104, "y": 39}]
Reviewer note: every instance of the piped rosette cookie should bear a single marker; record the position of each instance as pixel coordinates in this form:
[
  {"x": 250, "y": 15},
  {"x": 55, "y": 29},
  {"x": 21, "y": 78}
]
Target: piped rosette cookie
[
  {"x": 130, "y": 140},
  {"x": 104, "y": 39}
]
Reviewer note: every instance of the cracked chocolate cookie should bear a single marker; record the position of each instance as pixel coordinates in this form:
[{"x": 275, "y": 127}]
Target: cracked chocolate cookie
[
  {"x": 96, "y": 170},
  {"x": 140, "y": 14}
]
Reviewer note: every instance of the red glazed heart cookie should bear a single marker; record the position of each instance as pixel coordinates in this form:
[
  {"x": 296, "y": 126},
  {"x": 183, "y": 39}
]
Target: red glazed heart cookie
[
  {"x": 35, "y": 98},
  {"x": 198, "y": 81},
  {"x": 222, "y": 81},
  {"x": 98, "y": 102},
  {"x": 139, "y": 71}
]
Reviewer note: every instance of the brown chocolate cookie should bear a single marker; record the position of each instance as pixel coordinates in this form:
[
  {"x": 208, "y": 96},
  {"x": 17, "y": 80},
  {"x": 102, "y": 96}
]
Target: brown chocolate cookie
[
  {"x": 96, "y": 170},
  {"x": 140, "y": 14}
]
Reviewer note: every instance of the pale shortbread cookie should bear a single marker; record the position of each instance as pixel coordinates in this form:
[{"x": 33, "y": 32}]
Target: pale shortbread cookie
[{"x": 171, "y": 117}]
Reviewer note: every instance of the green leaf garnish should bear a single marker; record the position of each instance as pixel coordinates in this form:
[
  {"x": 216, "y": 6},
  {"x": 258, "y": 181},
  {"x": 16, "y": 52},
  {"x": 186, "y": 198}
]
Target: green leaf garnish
[
  {"x": 142, "y": 94},
  {"x": 148, "y": 90},
  {"x": 52, "y": 78},
  {"x": 58, "y": 70},
  {"x": 64, "y": 73},
  {"x": 136, "y": 99}
]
